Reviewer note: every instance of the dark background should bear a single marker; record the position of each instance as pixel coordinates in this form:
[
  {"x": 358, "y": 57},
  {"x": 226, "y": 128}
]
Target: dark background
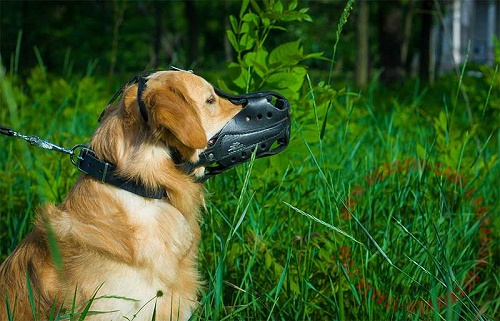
[{"x": 115, "y": 37}]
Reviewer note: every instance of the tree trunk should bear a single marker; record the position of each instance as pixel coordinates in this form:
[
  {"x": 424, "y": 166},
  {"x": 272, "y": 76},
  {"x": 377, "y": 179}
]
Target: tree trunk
[
  {"x": 390, "y": 40},
  {"x": 228, "y": 51},
  {"x": 157, "y": 37},
  {"x": 363, "y": 54},
  {"x": 407, "y": 33},
  {"x": 118, "y": 15},
  {"x": 457, "y": 32},
  {"x": 192, "y": 34},
  {"x": 425, "y": 38}
]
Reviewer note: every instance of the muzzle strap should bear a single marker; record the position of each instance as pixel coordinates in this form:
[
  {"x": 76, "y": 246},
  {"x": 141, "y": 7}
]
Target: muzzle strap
[
  {"x": 142, "y": 106},
  {"x": 262, "y": 126},
  {"x": 140, "y": 80}
]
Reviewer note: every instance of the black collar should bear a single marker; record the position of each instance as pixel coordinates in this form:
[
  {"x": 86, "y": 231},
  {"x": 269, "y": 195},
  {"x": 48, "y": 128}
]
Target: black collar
[{"x": 89, "y": 164}]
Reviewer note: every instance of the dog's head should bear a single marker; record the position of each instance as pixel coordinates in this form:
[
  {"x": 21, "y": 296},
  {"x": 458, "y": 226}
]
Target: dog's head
[{"x": 197, "y": 124}]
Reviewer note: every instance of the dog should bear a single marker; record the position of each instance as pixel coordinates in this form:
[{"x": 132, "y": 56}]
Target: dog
[{"x": 127, "y": 255}]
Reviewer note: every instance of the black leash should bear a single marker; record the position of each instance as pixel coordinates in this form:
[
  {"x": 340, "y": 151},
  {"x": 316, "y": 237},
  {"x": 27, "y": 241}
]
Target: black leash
[{"x": 88, "y": 163}]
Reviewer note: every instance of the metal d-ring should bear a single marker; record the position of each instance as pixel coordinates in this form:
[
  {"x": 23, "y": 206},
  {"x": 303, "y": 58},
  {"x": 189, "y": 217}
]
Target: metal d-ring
[{"x": 72, "y": 155}]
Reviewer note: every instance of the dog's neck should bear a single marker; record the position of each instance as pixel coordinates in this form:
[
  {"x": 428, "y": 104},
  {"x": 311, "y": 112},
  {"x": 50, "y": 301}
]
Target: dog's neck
[
  {"x": 141, "y": 157},
  {"x": 105, "y": 172}
]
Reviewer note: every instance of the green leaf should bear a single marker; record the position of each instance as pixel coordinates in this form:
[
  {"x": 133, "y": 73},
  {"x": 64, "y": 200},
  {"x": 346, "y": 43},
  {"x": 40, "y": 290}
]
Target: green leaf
[
  {"x": 255, "y": 6},
  {"x": 246, "y": 42},
  {"x": 234, "y": 70},
  {"x": 266, "y": 22},
  {"x": 245, "y": 28},
  {"x": 315, "y": 55},
  {"x": 279, "y": 28},
  {"x": 268, "y": 260},
  {"x": 257, "y": 60},
  {"x": 232, "y": 40},
  {"x": 288, "y": 83},
  {"x": 234, "y": 23},
  {"x": 287, "y": 53},
  {"x": 282, "y": 80},
  {"x": 295, "y": 16},
  {"x": 244, "y": 6},
  {"x": 242, "y": 80},
  {"x": 278, "y": 7},
  {"x": 250, "y": 17}
]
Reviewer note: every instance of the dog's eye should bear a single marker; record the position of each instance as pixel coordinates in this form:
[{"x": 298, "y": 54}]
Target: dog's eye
[{"x": 211, "y": 100}]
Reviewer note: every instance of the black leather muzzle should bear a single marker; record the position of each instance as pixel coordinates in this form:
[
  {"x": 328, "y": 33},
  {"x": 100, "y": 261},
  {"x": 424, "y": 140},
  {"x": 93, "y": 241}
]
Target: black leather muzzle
[{"x": 262, "y": 126}]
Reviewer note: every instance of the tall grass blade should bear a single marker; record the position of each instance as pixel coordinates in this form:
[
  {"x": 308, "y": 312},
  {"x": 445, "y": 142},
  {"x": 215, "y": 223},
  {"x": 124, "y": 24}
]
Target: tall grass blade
[
  {"x": 486, "y": 102},
  {"x": 40, "y": 62},
  {"x": 367, "y": 233},
  {"x": 153, "y": 318},
  {"x": 31, "y": 297},
  {"x": 18, "y": 52},
  {"x": 10, "y": 314},
  {"x": 6, "y": 89},
  {"x": 242, "y": 216},
  {"x": 314, "y": 218},
  {"x": 54, "y": 248},
  {"x": 481, "y": 152},
  {"x": 86, "y": 310},
  {"x": 342, "y": 21},
  {"x": 279, "y": 285}
]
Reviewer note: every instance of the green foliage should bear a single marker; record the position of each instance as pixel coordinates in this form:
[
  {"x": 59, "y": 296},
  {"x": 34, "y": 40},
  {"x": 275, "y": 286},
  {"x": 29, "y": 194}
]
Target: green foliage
[
  {"x": 492, "y": 78},
  {"x": 344, "y": 170},
  {"x": 257, "y": 68},
  {"x": 41, "y": 105}
]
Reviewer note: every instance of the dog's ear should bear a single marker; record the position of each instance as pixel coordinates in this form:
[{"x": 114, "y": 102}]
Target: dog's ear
[{"x": 169, "y": 108}]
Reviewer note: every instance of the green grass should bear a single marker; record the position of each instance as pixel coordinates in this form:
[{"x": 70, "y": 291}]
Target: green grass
[
  {"x": 382, "y": 207},
  {"x": 419, "y": 240}
]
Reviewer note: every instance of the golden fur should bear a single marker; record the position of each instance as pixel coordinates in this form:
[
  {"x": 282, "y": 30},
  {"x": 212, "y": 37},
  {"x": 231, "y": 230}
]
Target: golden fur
[{"x": 135, "y": 252}]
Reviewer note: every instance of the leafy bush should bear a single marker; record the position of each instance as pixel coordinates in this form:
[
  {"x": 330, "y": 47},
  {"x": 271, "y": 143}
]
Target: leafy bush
[
  {"x": 59, "y": 110},
  {"x": 257, "y": 68}
]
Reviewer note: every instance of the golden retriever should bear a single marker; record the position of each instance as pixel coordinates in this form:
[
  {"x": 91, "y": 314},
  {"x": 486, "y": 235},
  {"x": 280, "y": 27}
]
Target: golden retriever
[{"x": 131, "y": 254}]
